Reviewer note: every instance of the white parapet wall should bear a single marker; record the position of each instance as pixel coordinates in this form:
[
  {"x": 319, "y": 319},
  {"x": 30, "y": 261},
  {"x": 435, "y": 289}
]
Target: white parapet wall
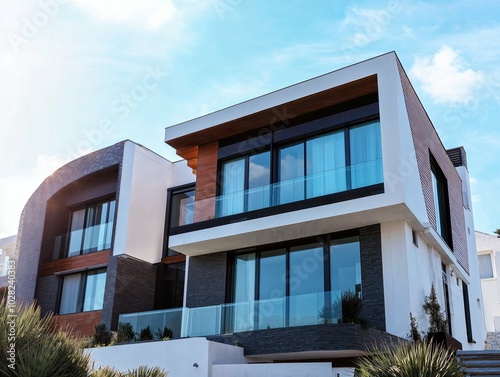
[
  {"x": 281, "y": 370},
  {"x": 190, "y": 357}
]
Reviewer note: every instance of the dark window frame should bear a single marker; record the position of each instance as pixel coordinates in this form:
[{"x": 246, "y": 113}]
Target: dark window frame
[
  {"x": 105, "y": 199},
  {"x": 443, "y": 202},
  {"x": 325, "y": 239},
  {"x": 168, "y": 215},
  {"x": 83, "y": 276}
]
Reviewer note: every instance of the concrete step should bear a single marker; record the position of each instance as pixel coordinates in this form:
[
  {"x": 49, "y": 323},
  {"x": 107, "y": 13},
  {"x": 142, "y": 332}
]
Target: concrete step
[{"x": 482, "y": 372}]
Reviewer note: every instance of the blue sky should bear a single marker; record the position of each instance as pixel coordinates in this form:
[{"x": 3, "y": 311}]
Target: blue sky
[{"x": 79, "y": 75}]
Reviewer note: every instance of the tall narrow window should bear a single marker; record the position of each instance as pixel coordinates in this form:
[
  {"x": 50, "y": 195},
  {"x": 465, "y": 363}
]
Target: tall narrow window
[
  {"x": 441, "y": 206},
  {"x": 485, "y": 266},
  {"x": 345, "y": 266},
  {"x": 365, "y": 155},
  {"x": 307, "y": 283},
  {"x": 233, "y": 186},
  {"x": 291, "y": 174},
  {"x": 326, "y": 165},
  {"x": 83, "y": 291},
  {"x": 244, "y": 292},
  {"x": 245, "y": 184},
  {"x": 272, "y": 289},
  {"x": 91, "y": 228},
  {"x": 259, "y": 178},
  {"x": 182, "y": 208}
]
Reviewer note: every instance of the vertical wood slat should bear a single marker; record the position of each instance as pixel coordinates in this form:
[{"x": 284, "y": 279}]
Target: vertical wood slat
[{"x": 206, "y": 182}]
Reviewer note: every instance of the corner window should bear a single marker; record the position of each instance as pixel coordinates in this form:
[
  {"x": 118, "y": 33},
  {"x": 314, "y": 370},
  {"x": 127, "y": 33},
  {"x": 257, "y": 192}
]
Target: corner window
[
  {"x": 485, "y": 266},
  {"x": 441, "y": 206},
  {"x": 83, "y": 292},
  {"x": 91, "y": 228},
  {"x": 182, "y": 207}
]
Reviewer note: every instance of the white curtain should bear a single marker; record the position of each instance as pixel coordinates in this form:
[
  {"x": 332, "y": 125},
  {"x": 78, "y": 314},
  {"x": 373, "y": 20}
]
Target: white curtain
[
  {"x": 70, "y": 297},
  {"x": 94, "y": 291},
  {"x": 485, "y": 266},
  {"x": 291, "y": 174},
  {"x": 233, "y": 180},
  {"x": 75, "y": 236},
  {"x": 366, "y": 155},
  {"x": 326, "y": 164}
]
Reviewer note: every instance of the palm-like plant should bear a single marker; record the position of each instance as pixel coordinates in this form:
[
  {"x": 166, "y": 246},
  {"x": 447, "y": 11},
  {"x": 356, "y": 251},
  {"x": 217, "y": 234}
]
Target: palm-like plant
[
  {"x": 41, "y": 350},
  {"x": 421, "y": 359}
]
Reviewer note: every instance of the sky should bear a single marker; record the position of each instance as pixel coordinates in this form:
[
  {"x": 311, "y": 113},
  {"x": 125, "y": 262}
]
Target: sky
[{"x": 80, "y": 75}]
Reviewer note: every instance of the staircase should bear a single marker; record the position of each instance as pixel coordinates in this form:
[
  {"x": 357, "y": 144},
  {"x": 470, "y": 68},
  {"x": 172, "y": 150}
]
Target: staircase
[{"x": 480, "y": 363}]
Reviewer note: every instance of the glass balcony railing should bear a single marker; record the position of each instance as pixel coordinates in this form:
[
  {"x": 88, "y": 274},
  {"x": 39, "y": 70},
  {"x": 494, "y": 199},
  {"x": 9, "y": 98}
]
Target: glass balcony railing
[
  {"x": 306, "y": 187},
  {"x": 299, "y": 310},
  {"x": 83, "y": 241},
  {"x": 292, "y": 190}
]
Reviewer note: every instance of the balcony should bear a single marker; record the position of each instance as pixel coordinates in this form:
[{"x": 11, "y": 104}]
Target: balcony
[
  {"x": 284, "y": 312},
  {"x": 83, "y": 241},
  {"x": 344, "y": 180}
]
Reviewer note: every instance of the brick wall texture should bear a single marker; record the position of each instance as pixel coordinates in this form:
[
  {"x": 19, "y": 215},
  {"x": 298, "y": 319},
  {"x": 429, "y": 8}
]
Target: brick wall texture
[{"x": 425, "y": 141}]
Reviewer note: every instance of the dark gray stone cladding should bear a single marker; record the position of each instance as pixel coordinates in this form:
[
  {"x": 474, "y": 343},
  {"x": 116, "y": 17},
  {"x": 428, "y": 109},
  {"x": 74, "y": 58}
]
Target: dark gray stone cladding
[
  {"x": 31, "y": 226},
  {"x": 130, "y": 288},
  {"x": 47, "y": 293},
  {"x": 206, "y": 283},
  {"x": 207, "y": 278},
  {"x": 330, "y": 337},
  {"x": 372, "y": 276}
]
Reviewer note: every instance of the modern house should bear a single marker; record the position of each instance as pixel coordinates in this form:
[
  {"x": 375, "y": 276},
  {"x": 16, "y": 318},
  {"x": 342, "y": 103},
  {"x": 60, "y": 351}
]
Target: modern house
[
  {"x": 90, "y": 237},
  {"x": 488, "y": 254},
  {"x": 286, "y": 212}
]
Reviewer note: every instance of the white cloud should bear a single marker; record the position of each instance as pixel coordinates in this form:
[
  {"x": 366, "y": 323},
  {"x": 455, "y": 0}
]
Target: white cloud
[
  {"x": 147, "y": 14},
  {"x": 445, "y": 78}
]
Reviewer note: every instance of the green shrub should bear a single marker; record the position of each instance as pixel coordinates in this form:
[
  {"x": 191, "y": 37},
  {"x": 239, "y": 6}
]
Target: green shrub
[
  {"x": 146, "y": 334},
  {"x": 125, "y": 332},
  {"x": 41, "y": 349},
  {"x": 437, "y": 320},
  {"x": 101, "y": 336},
  {"x": 165, "y": 334},
  {"x": 410, "y": 359}
]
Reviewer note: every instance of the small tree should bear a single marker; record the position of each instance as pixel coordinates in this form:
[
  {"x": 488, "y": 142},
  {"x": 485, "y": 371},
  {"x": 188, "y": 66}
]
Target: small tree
[
  {"x": 125, "y": 332},
  {"x": 165, "y": 334},
  {"x": 437, "y": 321},
  {"x": 415, "y": 334},
  {"x": 146, "y": 334},
  {"x": 497, "y": 232},
  {"x": 101, "y": 336}
]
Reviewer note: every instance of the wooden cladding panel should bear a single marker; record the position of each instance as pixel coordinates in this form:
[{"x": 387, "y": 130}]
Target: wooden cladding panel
[
  {"x": 206, "y": 182},
  {"x": 174, "y": 259},
  {"x": 75, "y": 263},
  {"x": 81, "y": 323},
  {"x": 280, "y": 113}
]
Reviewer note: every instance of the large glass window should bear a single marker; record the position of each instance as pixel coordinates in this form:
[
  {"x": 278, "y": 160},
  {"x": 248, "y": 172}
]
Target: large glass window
[
  {"x": 91, "y": 228},
  {"x": 312, "y": 166},
  {"x": 290, "y": 286},
  {"x": 83, "y": 291}
]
